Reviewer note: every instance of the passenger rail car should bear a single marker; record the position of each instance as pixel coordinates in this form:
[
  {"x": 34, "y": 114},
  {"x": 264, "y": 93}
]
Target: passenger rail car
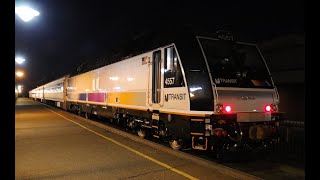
[{"x": 207, "y": 93}]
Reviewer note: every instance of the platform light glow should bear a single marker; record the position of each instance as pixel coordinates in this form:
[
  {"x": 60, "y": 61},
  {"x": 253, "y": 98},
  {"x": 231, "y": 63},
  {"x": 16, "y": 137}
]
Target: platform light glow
[
  {"x": 19, "y": 88},
  {"x": 19, "y": 73},
  {"x": 26, "y": 13},
  {"x": 19, "y": 60}
]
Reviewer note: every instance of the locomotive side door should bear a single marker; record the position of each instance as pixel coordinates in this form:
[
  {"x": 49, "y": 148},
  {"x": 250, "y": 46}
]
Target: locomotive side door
[{"x": 156, "y": 78}]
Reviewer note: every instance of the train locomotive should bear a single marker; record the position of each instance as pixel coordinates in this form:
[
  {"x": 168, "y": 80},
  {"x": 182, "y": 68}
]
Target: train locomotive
[{"x": 207, "y": 93}]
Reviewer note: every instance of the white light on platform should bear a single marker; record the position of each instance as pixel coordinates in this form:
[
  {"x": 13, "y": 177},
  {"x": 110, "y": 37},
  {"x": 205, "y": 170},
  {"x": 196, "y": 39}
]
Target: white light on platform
[
  {"x": 19, "y": 60},
  {"x": 26, "y": 13}
]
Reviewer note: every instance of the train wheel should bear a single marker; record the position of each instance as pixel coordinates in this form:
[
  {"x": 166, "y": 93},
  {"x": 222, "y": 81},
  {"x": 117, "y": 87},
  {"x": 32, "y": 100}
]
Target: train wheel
[
  {"x": 176, "y": 144},
  {"x": 142, "y": 133}
]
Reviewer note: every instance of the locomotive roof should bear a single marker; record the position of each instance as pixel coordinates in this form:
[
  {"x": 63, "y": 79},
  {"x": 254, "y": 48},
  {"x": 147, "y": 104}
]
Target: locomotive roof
[{"x": 141, "y": 43}]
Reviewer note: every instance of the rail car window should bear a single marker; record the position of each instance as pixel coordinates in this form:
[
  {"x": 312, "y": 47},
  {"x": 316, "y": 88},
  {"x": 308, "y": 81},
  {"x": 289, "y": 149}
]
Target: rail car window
[
  {"x": 235, "y": 64},
  {"x": 172, "y": 74},
  {"x": 95, "y": 84}
]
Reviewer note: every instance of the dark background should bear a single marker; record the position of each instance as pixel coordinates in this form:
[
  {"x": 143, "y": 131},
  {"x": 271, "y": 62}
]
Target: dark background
[{"x": 68, "y": 32}]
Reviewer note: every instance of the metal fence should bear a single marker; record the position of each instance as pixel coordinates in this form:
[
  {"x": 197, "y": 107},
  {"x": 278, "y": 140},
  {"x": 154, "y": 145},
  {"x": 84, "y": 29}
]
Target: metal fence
[{"x": 292, "y": 142}]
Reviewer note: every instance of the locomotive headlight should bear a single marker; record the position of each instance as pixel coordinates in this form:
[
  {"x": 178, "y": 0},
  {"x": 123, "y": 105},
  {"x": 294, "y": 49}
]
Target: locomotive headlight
[
  {"x": 267, "y": 108},
  {"x": 228, "y": 108}
]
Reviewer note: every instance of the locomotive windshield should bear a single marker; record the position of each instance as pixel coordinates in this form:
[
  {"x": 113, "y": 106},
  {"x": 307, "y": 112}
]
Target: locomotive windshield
[{"x": 235, "y": 64}]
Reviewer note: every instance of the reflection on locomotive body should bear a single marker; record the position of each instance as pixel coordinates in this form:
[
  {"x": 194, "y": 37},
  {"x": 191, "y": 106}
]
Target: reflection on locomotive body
[{"x": 202, "y": 92}]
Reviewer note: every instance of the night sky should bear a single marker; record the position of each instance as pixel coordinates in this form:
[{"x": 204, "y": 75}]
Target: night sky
[{"x": 68, "y": 32}]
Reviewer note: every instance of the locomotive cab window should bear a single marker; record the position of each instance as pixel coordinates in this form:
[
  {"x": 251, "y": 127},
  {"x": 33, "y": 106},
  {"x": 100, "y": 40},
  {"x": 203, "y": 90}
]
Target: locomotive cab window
[{"x": 172, "y": 74}]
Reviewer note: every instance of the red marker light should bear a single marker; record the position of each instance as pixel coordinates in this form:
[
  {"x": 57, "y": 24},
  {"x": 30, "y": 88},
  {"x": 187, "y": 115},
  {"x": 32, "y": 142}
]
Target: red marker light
[
  {"x": 268, "y": 108},
  {"x": 228, "y": 108}
]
